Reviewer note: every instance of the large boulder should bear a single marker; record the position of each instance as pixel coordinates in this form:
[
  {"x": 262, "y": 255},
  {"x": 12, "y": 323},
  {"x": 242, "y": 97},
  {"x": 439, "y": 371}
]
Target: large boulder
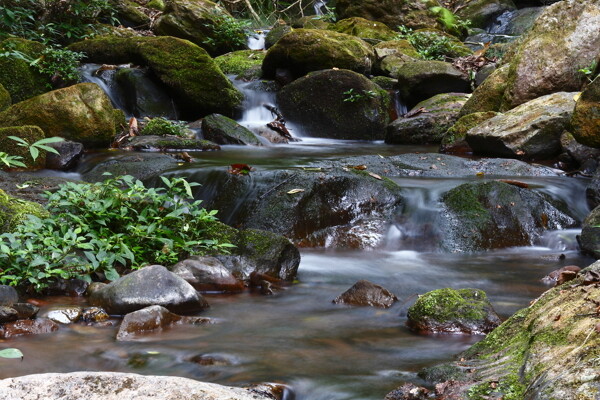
[
  {"x": 411, "y": 13},
  {"x": 81, "y": 112},
  {"x": 118, "y": 386},
  {"x": 305, "y": 50},
  {"x": 13, "y": 211},
  {"x": 453, "y": 311},
  {"x": 152, "y": 285},
  {"x": 187, "y": 71},
  {"x": 142, "y": 166},
  {"x": 586, "y": 116},
  {"x": 487, "y": 96},
  {"x": 19, "y": 78},
  {"x": 207, "y": 274},
  {"x": 364, "y": 29},
  {"x": 489, "y": 215},
  {"x": 568, "y": 33},
  {"x": 202, "y": 22},
  {"x": 339, "y": 104},
  {"x": 531, "y": 130},
  {"x": 454, "y": 140},
  {"x": 30, "y": 134},
  {"x": 222, "y": 130},
  {"x": 429, "y": 126}
]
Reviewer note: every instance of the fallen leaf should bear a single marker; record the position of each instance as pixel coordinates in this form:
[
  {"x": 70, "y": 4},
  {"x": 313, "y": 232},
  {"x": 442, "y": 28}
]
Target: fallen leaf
[
  {"x": 515, "y": 183},
  {"x": 358, "y": 167},
  {"x": 239, "y": 169},
  {"x": 294, "y": 191},
  {"x": 375, "y": 176},
  {"x": 480, "y": 174}
]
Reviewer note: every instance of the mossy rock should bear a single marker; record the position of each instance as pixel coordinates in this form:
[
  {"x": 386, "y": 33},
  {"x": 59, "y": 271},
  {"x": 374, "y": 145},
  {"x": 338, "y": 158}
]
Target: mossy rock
[
  {"x": 482, "y": 12},
  {"x": 385, "y": 82},
  {"x": 364, "y": 29},
  {"x": 13, "y": 211},
  {"x": 168, "y": 144},
  {"x": 454, "y": 139},
  {"x": 488, "y": 215},
  {"x": 337, "y": 104},
  {"x": 191, "y": 76},
  {"x": 130, "y": 14},
  {"x": 453, "y": 47},
  {"x": 223, "y": 130},
  {"x": 311, "y": 22},
  {"x": 238, "y": 62},
  {"x": 392, "y": 47},
  {"x": 30, "y": 134},
  {"x": 488, "y": 95},
  {"x": 5, "y": 99},
  {"x": 586, "y": 117},
  {"x": 306, "y": 50},
  {"x": 19, "y": 78},
  {"x": 82, "y": 113},
  {"x": 453, "y": 311},
  {"x": 156, "y": 5},
  {"x": 275, "y": 34},
  {"x": 411, "y": 13}
]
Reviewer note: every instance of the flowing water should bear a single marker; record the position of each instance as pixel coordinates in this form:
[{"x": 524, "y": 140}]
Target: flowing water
[{"x": 298, "y": 336}]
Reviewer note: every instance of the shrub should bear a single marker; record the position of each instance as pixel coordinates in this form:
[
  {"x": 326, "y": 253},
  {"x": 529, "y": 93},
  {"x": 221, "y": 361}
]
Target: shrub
[
  {"x": 431, "y": 45},
  {"x": 106, "y": 227},
  {"x": 228, "y": 32},
  {"x": 161, "y": 126}
]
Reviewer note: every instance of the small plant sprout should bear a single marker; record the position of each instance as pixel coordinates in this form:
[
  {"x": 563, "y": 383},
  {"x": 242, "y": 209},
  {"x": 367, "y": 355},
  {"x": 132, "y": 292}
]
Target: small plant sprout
[{"x": 353, "y": 96}]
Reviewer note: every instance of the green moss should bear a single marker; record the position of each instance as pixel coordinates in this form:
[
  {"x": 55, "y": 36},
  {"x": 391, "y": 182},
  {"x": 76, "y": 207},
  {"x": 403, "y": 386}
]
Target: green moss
[
  {"x": 20, "y": 79},
  {"x": 237, "y": 62},
  {"x": 447, "y": 304},
  {"x": 364, "y": 29},
  {"x": 466, "y": 203},
  {"x": 459, "y": 130},
  {"x": 30, "y": 134},
  {"x": 5, "y": 100},
  {"x": 401, "y": 46},
  {"x": 13, "y": 211},
  {"x": 156, "y": 5},
  {"x": 510, "y": 387}
]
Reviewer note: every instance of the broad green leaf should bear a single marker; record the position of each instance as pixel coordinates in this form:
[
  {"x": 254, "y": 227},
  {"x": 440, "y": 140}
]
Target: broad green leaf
[{"x": 11, "y": 353}]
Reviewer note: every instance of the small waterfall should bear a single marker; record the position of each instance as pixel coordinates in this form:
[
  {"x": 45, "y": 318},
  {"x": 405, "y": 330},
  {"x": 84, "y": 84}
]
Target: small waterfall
[
  {"x": 105, "y": 78},
  {"x": 399, "y": 104},
  {"x": 500, "y": 24},
  {"x": 256, "y": 41}
]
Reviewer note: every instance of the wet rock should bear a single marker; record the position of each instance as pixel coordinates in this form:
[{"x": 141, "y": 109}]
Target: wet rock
[
  {"x": 439, "y": 113},
  {"x": 81, "y": 112},
  {"x": 310, "y": 22},
  {"x": 364, "y": 29},
  {"x": 275, "y": 34},
  {"x": 561, "y": 275},
  {"x": 441, "y": 373},
  {"x": 8, "y": 314},
  {"x": 305, "y": 50},
  {"x": 168, "y": 143},
  {"x": 142, "y": 166},
  {"x": 482, "y": 12},
  {"x": 207, "y": 274},
  {"x": 22, "y": 327},
  {"x": 421, "y": 80},
  {"x": 67, "y": 287},
  {"x": 151, "y": 319},
  {"x": 117, "y": 386},
  {"x": 93, "y": 287},
  {"x": 584, "y": 157},
  {"x": 453, "y": 311},
  {"x": 275, "y": 391},
  {"x": 241, "y": 61},
  {"x": 454, "y": 140},
  {"x": 8, "y": 295},
  {"x": 152, "y": 285},
  {"x": 223, "y": 130},
  {"x": 488, "y": 95},
  {"x": 365, "y": 293},
  {"x": 408, "y": 391},
  {"x": 211, "y": 359},
  {"x": 586, "y": 117},
  {"x": 68, "y": 157},
  {"x": 412, "y": 13},
  {"x": 568, "y": 33},
  {"x": 488, "y": 215},
  {"x": 29, "y": 133},
  {"x": 393, "y": 54},
  {"x": 338, "y": 104},
  {"x": 531, "y": 130},
  {"x": 12, "y": 212},
  {"x": 589, "y": 240},
  {"x": 94, "y": 315},
  {"x": 26, "y": 310},
  {"x": 64, "y": 314}
]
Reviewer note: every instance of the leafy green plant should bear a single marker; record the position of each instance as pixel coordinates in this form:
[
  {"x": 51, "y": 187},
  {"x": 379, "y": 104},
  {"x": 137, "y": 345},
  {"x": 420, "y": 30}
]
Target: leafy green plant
[
  {"x": 161, "y": 126},
  {"x": 228, "y": 33},
  {"x": 60, "y": 63},
  {"x": 11, "y": 353},
  {"x": 352, "y": 96},
  {"x": 430, "y": 45},
  {"x": 329, "y": 16},
  {"x": 9, "y": 161},
  {"x": 34, "y": 148},
  {"x": 106, "y": 228},
  {"x": 451, "y": 22},
  {"x": 589, "y": 72}
]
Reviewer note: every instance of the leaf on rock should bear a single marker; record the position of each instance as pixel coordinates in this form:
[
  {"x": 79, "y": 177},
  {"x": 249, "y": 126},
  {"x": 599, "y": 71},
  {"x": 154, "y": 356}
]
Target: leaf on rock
[
  {"x": 294, "y": 191},
  {"x": 239, "y": 169},
  {"x": 375, "y": 176}
]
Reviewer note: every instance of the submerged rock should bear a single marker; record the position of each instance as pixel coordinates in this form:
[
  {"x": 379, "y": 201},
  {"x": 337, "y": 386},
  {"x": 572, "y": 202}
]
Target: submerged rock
[
  {"x": 365, "y": 293},
  {"x": 453, "y": 311},
  {"x": 118, "y": 386},
  {"x": 152, "y": 285},
  {"x": 23, "y": 327}
]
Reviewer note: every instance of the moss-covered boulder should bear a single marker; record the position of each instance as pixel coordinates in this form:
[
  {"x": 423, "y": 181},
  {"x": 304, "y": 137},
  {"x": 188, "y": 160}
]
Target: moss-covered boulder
[
  {"x": 392, "y": 54},
  {"x": 437, "y": 43},
  {"x": 30, "y": 134},
  {"x": 13, "y": 211},
  {"x": 130, "y": 14},
  {"x": 202, "y": 22},
  {"x": 439, "y": 113},
  {"x": 81, "y": 112},
  {"x": 421, "y": 80},
  {"x": 364, "y": 29},
  {"x": 223, "y": 130},
  {"x": 531, "y": 130},
  {"x": 453, "y": 311},
  {"x": 167, "y": 144},
  {"x": 482, "y": 12},
  {"x": 276, "y": 33},
  {"x": 190, "y": 75},
  {"x": 586, "y": 117},
  {"x": 142, "y": 95},
  {"x": 5, "y": 99},
  {"x": 338, "y": 104},
  {"x": 568, "y": 33},
  {"x": 238, "y": 62},
  {"x": 488, "y": 95},
  {"x": 454, "y": 140},
  {"x": 489, "y": 215},
  {"x": 311, "y": 22},
  {"x": 411, "y": 13},
  {"x": 306, "y": 50},
  {"x": 17, "y": 76}
]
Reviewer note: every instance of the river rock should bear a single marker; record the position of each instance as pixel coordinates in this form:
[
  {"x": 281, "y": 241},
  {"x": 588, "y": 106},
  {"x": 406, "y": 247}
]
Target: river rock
[
  {"x": 17, "y": 76},
  {"x": 568, "y": 33},
  {"x": 14, "y": 210},
  {"x": 30, "y": 134},
  {"x": 365, "y": 293},
  {"x": 223, "y": 130},
  {"x": 191, "y": 76},
  {"x": 589, "y": 240},
  {"x": 412, "y": 13},
  {"x": 364, "y": 29},
  {"x": 207, "y": 274},
  {"x": 68, "y": 156},
  {"x": 142, "y": 166},
  {"x": 429, "y": 126},
  {"x": 276, "y": 33},
  {"x": 22, "y": 327},
  {"x": 63, "y": 314},
  {"x": 392, "y": 54},
  {"x": 338, "y": 104},
  {"x": 306, "y": 50},
  {"x": 152, "y": 285},
  {"x": 454, "y": 140},
  {"x": 8, "y": 314},
  {"x": 94, "y": 314},
  {"x": 8, "y": 295},
  {"x": 489, "y": 215},
  {"x": 482, "y": 12},
  {"x": 201, "y": 22},
  {"x": 488, "y": 95},
  {"x": 586, "y": 117},
  {"x": 168, "y": 143},
  {"x": 241, "y": 61},
  {"x": 81, "y": 112},
  {"x": 26, "y": 310},
  {"x": 531, "y": 130},
  {"x": 453, "y": 311},
  {"x": 584, "y": 158},
  {"x": 118, "y": 386},
  {"x": 592, "y": 191},
  {"x": 421, "y": 80}
]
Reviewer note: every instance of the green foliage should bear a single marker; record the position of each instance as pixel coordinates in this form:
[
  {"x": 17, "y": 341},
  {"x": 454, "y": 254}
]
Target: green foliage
[
  {"x": 8, "y": 161},
  {"x": 106, "y": 227},
  {"x": 590, "y": 72},
  {"x": 353, "y": 97},
  {"x": 452, "y": 23},
  {"x": 11, "y": 353},
  {"x": 161, "y": 126},
  {"x": 329, "y": 16},
  {"x": 228, "y": 32},
  {"x": 430, "y": 45},
  {"x": 34, "y": 148}
]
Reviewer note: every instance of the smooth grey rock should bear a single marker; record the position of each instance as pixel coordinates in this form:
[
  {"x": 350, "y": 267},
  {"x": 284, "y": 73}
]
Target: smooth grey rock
[
  {"x": 207, "y": 274},
  {"x": 69, "y": 154},
  {"x": 8, "y": 295},
  {"x": 63, "y": 315}
]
